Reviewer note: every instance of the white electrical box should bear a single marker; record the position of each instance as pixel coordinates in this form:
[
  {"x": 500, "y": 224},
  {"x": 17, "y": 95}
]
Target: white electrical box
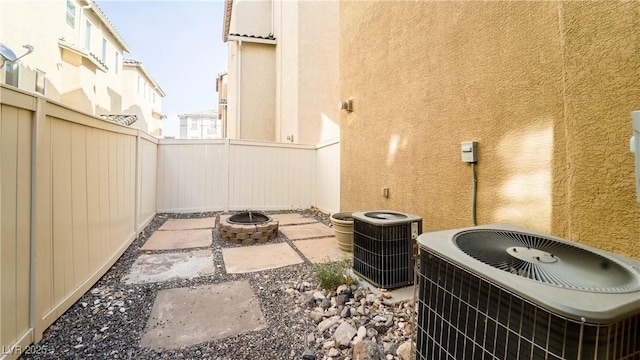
[
  {"x": 469, "y": 151},
  {"x": 635, "y": 147}
]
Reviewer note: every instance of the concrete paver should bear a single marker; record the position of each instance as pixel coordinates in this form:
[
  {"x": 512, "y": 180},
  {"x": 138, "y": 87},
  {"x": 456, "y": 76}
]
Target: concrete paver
[
  {"x": 188, "y": 316},
  {"x": 189, "y": 224},
  {"x": 306, "y": 231},
  {"x": 321, "y": 250},
  {"x": 161, "y": 267},
  {"x": 293, "y": 219},
  {"x": 256, "y": 258},
  {"x": 178, "y": 239}
]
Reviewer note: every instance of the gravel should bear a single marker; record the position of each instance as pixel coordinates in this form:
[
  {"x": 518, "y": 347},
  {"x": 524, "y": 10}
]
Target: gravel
[{"x": 108, "y": 321}]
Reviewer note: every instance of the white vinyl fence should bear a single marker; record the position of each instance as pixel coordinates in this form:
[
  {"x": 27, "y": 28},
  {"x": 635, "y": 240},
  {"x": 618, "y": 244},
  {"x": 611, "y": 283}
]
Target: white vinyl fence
[{"x": 221, "y": 175}]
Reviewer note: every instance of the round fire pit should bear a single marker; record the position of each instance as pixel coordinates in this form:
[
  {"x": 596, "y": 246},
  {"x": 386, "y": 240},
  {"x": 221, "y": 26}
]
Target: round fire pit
[{"x": 248, "y": 228}]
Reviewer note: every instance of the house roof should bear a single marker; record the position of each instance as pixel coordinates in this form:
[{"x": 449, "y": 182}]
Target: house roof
[
  {"x": 226, "y": 23},
  {"x": 138, "y": 64},
  {"x": 121, "y": 119},
  {"x": 270, "y": 39},
  {"x": 112, "y": 29},
  {"x": 201, "y": 114}
]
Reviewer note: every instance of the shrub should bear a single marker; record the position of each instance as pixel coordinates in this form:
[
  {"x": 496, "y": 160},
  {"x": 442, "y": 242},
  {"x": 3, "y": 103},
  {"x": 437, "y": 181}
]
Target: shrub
[{"x": 330, "y": 275}]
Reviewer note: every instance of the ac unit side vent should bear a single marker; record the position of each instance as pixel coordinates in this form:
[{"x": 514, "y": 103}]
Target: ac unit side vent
[{"x": 464, "y": 316}]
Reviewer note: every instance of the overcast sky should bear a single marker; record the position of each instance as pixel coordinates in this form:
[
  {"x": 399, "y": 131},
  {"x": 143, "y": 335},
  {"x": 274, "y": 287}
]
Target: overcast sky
[{"x": 180, "y": 44}]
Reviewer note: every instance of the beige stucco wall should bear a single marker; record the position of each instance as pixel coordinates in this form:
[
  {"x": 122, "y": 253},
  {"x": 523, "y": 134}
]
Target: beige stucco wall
[
  {"x": 46, "y": 15},
  {"x": 71, "y": 79},
  {"x": 546, "y": 89},
  {"x": 140, "y": 103},
  {"x": 257, "y": 91},
  {"x": 308, "y": 70},
  {"x": 251, "y": 17}
]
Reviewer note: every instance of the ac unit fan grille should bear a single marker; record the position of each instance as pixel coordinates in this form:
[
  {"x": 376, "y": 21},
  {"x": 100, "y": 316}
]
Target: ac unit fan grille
[
  {"x": 463, "y": 316},
  {"x": 547, "y": 260}
]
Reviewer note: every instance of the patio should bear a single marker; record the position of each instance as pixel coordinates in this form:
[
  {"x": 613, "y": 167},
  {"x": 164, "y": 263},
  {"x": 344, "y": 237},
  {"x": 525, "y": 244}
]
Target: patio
[{"x": 208, "y": 298}]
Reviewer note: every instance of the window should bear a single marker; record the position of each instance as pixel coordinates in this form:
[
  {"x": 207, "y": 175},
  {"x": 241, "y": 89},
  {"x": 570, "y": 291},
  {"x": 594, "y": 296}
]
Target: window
[
  {"x": 41, "y": 82},
  {"x": 211, "y": 130},
  {"x": 116, "y": 62},
  {"x": 87, "y": 36},
  {"x": 194, "y": 124},
  {"x": 138, "y": 84},
  {"x": 154, "y": 97},
  {"x": 104, "y": 50},
  {"x": 71, "y": 14},
  {"x": 12, "y": 74}
]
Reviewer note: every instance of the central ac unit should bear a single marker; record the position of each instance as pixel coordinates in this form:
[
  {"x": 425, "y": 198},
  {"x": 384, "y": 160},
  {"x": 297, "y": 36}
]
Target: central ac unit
[
  {"x": 506, "y": 292},
  {"x": 383, "y": 247}
]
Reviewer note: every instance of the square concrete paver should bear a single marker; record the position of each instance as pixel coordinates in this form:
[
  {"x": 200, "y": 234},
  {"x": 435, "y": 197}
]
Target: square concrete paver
[
  {"x": 256, "y": 258},
  {"x": 189, "y": 224},
  {"x": 293, "y": 219},
  {"x": 306, "y": 231},
  {"x": 189, "y": 316},
  {"x": 178, "y": 239},
  {"x": 162, "y": 267},
  {"x": 321, "y": 250}
]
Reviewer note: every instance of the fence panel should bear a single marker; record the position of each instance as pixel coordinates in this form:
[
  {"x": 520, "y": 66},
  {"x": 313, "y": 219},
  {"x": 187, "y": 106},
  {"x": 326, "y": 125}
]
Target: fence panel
[
  {"x": 192, "y": 175},
  {"x": 147, "y": 175},
  {"x": 328, "y": 175},
  {"x": 90, "y": 198},
  {"x": 274, "y": 176},
  {"x": 15, "y": 226}
]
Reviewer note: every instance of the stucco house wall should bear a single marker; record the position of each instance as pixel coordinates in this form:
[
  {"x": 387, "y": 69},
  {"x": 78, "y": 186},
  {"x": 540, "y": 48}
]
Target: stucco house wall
[
  {"x": 545, "y": 88},
  {"x": 76, "y": 75},
  {"x": 142, "y": 97},
  {"x": 295, "y": 45},
  {"x": 307, "y": 70}
]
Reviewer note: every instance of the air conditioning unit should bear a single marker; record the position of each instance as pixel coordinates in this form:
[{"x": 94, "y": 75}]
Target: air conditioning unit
[
  {"x": 383, "y": 247},
  {"x": 506, "y": 292}
]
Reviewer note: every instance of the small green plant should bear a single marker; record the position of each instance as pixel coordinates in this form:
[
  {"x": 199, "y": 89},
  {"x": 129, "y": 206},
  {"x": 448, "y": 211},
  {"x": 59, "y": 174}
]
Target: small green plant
[{"x": 330, "y": 275}]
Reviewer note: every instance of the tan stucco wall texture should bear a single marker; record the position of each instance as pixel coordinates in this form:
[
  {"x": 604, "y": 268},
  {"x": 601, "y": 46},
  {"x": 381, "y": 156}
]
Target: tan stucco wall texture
[{"x": 545, "y": 88}]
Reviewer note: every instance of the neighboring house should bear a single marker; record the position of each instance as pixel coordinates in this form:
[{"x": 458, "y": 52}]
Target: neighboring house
[
  {"x": 77, "y": 58},
  {"x": 200, "y": 125},
  {"x": 545, "y": 88},
  {"x": 221, "y": 89},
  {"x": 142, "y": 97},
  {"x": 283, "y": 70}
]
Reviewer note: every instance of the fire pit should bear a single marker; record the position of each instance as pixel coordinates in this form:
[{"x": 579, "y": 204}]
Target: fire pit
[{"x": 248, "y": 228}]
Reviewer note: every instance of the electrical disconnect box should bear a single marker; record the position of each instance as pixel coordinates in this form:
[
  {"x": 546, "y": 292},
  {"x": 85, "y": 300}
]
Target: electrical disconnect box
[
  {"x": 469, "y": 150},
  {"x": 635, "y": 147}
]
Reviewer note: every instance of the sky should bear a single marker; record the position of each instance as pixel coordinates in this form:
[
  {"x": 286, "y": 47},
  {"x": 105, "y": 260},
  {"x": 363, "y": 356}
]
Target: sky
[{"x": 180, "y": 44}]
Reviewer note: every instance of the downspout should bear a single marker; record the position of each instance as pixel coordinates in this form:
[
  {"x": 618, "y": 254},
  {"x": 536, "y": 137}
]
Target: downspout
[
  {"x": 239, "y": 90},
  {"x": 82, "y": 8}
]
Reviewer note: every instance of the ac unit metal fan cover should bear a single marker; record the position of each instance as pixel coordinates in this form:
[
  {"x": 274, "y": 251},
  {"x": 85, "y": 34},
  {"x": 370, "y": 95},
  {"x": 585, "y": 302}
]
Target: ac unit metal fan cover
[{"x": 567, "y": 278}]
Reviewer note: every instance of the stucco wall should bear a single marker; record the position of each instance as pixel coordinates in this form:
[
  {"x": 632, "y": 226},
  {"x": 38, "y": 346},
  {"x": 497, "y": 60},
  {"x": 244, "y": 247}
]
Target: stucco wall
[
  {"x": 546, "y": 89},
  {"x": 257, "y": 94},
  {"x": 307, "y": 71}
]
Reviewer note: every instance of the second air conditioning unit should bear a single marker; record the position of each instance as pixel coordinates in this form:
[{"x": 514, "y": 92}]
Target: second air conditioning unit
[
  {"x": 506, "y": 292},
  {"x": 383, "y": 247}
]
